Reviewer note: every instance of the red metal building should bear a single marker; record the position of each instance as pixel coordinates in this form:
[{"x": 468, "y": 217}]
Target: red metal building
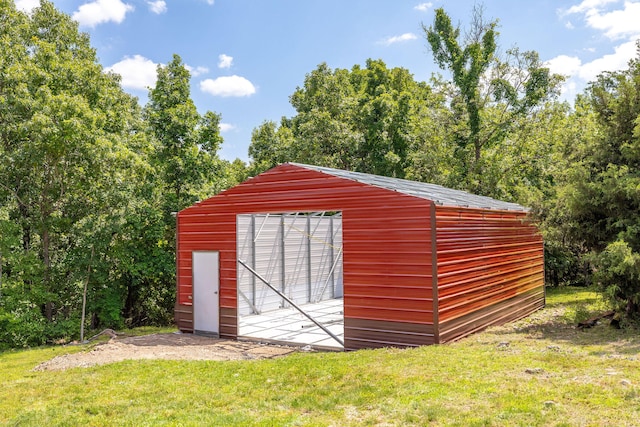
[{"x": 415, "y": 263}]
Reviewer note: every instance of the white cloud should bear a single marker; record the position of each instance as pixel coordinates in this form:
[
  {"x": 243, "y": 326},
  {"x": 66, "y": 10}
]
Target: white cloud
[
  {"x": 565, "y": 65},
  {"x": 612, "y": 62},
  {"x": 423, "y": 7},
  {"x": 226, "y": 127},
  {"x": 100, "y": 11},
  {"x": 27, "y": 5},
  {"x": 588, "y": 5},
  {"x": 197, "y": 71},
  {"x": 137, "y": 72},
  {"x": 225, "y": 61},
  {"x": 158, "y": 7},
  {"x": 569, "y": 25},
  {"x": 228, "y": 86},
  {"x": 616, "y": 24},
  {"x": 569, "y": 89},
  {"x": 616, "y": 21},
  {"x": 398, "y": 39},
  {"x": 579, "y": 73},
  {"x": 210, "y": 2},
  {"x": 568, "y": 66}
]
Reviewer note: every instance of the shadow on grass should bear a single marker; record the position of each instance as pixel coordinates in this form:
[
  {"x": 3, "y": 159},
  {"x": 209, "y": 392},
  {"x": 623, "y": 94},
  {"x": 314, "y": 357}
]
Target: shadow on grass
[{"x": 558, "y": 321}]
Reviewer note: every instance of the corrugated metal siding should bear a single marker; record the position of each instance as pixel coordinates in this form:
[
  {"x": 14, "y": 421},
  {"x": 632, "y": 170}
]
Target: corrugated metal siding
[
  {"x": 228, "y": 322},
  {"x": 386, "y": 245},
  {"x": 385, "y": 277},
  {"x": 268, "y": 261},
  {"x": 183, "y": 315},
  {"x": 326, "y": 252},
  {"x": 295, "y": 253},
  {"x": 377, "y": 333},
  {"x": 498, "y": 313},
  {"x": 436, "y": 193},
  {"x": 247, "y": 283},
  {"x": 490, "y": 269}
]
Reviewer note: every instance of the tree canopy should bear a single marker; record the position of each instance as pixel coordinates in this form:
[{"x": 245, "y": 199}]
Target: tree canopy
[
  {"x": 598, "y": 198},
  {"x": 87, "y": 182},
  {"x": 490, "y": 93},
  {"x": 188, "y": 143},
  {"x": 89, "y": 178},
  {"x": 363, "y": 119}
]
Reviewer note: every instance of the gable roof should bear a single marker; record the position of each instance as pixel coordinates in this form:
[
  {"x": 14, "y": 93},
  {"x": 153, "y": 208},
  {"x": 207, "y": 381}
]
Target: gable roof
[{"x": 436, "y": 193}]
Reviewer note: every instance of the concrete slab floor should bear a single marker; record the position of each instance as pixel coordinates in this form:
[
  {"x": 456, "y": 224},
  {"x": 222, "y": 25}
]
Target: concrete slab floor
[{"x": 290, "y": 326}]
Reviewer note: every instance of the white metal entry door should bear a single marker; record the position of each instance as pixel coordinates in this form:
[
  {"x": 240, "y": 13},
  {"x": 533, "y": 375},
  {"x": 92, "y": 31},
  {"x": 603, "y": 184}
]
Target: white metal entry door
[{"x": 206, "y": 283}]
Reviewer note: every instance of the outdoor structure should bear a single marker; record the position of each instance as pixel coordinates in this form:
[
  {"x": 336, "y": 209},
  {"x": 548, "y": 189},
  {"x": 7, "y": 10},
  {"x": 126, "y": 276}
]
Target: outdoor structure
[{"x": 331, "y": 258}]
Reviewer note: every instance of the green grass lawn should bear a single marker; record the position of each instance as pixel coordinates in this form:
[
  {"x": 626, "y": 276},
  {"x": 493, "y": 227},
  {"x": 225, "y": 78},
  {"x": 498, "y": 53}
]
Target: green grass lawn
[{"x": 537, "y": 371}]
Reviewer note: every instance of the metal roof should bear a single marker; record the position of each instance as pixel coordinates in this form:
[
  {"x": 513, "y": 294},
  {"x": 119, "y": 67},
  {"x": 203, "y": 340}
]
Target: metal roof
[{"x": 436, "y": 193}]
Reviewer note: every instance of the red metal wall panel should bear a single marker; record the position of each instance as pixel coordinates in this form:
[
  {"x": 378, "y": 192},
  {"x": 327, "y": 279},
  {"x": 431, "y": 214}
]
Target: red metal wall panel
[
  {"x": 377, "y": 333},
  {"x": 386, "y": 243},
  {"x": 490, "y": 269}
]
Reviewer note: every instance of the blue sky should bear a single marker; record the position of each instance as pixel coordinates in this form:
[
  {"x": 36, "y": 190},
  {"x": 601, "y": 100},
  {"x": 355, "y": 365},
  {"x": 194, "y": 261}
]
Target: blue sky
[{"x": 248, "y": 56}]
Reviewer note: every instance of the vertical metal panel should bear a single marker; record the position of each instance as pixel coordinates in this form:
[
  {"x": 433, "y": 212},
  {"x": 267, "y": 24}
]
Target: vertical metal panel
[
  {"x": 337, "y": 255},
  {"x": 269, "y": 261},
  {"x": 490, "y": 269},
  {"x": 386, "y": 270},
  {"x": 298, "y": 247},
  {"x": 296, "y": 254},
  {"x": 259, "y": 240},
  {"x": 245, "y": 229},
  {"x": 308, "y": 258},
  {"x": 323, "y": 250}
]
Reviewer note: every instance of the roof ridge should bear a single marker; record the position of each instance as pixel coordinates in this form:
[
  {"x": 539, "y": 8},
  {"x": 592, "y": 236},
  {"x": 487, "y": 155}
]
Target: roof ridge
[{"x": 437, "y": 193}]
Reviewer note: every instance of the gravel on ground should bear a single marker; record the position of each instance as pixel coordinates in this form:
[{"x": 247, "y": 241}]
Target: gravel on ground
[{"x": 169, "y": 346}]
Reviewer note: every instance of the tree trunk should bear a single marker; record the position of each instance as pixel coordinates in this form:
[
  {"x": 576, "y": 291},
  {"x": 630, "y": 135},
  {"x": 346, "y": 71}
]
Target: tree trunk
[
  {"x": 26, "y": 230},
  {"x": 632, "y": 308},
  {"x": 48, "y": 307},
  {"x": 129, "y": 303},
  {"x": 477, "y": 167},
  {"x": 84, "y": 295}
]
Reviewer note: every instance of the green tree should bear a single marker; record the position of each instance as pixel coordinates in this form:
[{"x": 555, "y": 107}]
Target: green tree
[
  {"x": 188, "y": 142},
  {"x": 271, "y": 145},
  {"x": 384, "y": 116},
  {"x": 598, "y": 195},
  {"x": 322, "y": 131},
  {"x": 363, "y": 119},
  {"x": 568, "y": 137},
  {"x": 69, "y": 159},
  {"x": 185, "y": 168},
  {"x": 489, "y": 94}
]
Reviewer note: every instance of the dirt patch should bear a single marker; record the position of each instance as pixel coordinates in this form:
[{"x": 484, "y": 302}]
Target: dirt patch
[{"x": 166, "y": 346}]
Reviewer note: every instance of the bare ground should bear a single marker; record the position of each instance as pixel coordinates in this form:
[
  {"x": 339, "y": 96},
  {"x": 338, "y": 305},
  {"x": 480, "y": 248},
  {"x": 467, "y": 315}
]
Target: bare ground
[{"x": 170, "y": 346}]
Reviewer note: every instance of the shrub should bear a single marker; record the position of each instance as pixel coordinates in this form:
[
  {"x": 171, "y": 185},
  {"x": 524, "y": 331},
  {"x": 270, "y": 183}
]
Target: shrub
[{"x": 617, "y": 273}]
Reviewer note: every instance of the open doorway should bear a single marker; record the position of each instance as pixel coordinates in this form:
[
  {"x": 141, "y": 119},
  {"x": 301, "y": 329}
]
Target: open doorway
[{"x": 290, "y": 284}]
